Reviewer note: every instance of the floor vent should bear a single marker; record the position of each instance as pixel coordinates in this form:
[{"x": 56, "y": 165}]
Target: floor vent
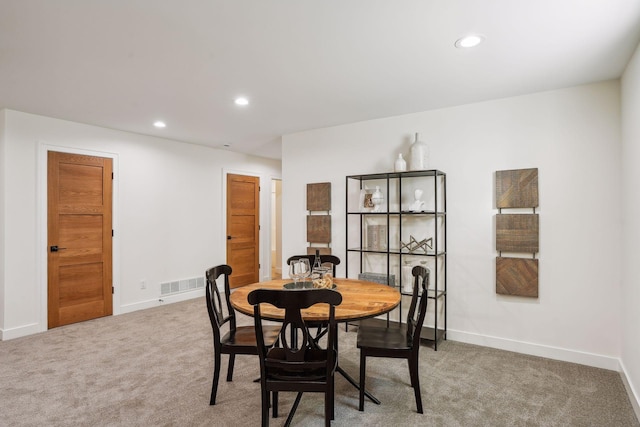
[{"x": 184, "y": 285}]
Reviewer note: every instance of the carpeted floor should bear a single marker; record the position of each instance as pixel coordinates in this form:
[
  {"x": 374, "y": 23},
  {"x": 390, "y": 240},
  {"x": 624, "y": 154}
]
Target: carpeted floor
[{"x": 154, "y": 367}]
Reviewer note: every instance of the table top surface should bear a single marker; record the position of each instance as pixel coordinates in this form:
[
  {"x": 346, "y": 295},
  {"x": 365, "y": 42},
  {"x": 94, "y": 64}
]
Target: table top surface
[{"x": 360, "y": 300}]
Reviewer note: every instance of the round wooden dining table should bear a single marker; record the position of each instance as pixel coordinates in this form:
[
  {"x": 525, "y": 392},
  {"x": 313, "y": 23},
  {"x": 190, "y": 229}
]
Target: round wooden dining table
[{"x": 360, "y": 300}]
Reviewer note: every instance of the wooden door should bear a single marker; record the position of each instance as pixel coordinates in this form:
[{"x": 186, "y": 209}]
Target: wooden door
[
  {"x": 79, "y": 238},
  {"x": 243, "y": 228}
]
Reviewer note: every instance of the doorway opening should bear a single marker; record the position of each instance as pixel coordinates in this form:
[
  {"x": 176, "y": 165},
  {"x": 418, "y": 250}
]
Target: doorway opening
[{"x": 276, "y": 229}]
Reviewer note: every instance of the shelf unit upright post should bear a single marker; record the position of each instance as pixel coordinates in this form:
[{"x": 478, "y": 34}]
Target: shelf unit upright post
[{"x": 423, "y": 220}]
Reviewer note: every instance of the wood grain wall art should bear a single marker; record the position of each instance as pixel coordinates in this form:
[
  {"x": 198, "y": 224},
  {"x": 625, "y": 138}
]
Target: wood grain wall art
[
  {"x": 517, "y": 233},
  {"x": 319, "y": 197},
  {"x": 319, "y": 228},
  {"x": 319, "y": 218},
  {"x": 517, "y": 188},
  {"x": 517, "y": 276}
]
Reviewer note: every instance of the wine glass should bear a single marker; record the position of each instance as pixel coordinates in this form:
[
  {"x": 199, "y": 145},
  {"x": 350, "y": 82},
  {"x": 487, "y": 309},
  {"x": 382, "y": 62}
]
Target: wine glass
[
  {"x": 305, "y": 269},
  {"x": 299, "y": 269},
  {"x": 293, "y": 272}
]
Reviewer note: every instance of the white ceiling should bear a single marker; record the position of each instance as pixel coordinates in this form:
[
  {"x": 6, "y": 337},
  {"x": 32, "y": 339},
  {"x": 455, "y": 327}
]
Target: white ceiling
[{"x": 304, "y": 64}]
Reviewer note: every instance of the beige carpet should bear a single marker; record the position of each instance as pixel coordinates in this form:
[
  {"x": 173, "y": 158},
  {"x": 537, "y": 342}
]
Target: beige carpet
[{"x": 154, "y": 368}]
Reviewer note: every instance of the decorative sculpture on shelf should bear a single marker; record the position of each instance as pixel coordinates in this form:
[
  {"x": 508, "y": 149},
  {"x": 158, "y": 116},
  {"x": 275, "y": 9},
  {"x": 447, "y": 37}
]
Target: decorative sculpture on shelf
[
  {"x": 414, "y": 245},
  {"x": 377, "y": 199},
  {"x": 417, "y": 204}
]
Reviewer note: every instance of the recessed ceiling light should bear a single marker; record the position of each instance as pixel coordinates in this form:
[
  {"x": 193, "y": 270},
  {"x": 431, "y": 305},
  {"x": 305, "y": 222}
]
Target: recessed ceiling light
[
  {"x": 159, "y": 124},
  {"x": 241, "y": 100},
  {"x": 471, "y": 40}
]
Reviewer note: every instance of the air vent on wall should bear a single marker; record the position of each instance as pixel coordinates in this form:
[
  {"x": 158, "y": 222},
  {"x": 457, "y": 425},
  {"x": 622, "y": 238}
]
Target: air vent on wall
[{"x": 183, "y": 285}]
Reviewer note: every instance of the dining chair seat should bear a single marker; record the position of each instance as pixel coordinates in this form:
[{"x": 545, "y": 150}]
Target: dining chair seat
[
  {"x": 244, "y": 338},
  {"x": 312, "y": 368},
  {"x": 379, "y": 339}
]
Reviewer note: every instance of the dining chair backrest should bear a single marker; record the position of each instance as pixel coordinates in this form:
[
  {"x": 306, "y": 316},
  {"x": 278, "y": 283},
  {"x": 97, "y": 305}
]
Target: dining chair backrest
[
  {"x": 324, "y": 259},
  {"x": 220, "y": 312},
  {"x": 293, "y": 302},
  {"x": 418, "y": 307}
]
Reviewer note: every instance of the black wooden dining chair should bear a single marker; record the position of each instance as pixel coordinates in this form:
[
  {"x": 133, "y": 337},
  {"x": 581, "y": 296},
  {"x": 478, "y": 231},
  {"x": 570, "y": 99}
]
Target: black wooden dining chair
[
  {"x": 300, "y": 366},
  {"x": 236, "y": 340},
  {"x": 324, "y": 259},
  {"x": 398, "y": 342}
]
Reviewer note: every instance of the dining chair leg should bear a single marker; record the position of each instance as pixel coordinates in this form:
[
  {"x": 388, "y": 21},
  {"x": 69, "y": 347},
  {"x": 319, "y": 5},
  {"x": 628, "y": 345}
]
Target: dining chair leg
[
  {"x": 275, "y": 404},
  {"x": 265, "y": 407},
  {"x": 216, "y": 377},
  {"x": 415, "y": 382},
  {"x": 327, "y": 408},
  {"x": 363, "y": 369},
  {"x": 332, "y": 392},
  {"x": 232, "y": 359}
]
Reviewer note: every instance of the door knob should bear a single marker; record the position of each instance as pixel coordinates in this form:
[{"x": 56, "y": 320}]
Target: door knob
[
  {"x": 228, "y": 237},
  {"x": 55, "y": 249}
]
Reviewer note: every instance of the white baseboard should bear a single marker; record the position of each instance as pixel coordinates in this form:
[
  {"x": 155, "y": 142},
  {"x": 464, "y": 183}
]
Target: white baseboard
[
  {"x": 34, "y": 328},
  {"x": 167, "y": 299},
  {"x": 20, "y": 331},
  {"x": 556, "y": 353},
  {"x": 634, "y": 397}
]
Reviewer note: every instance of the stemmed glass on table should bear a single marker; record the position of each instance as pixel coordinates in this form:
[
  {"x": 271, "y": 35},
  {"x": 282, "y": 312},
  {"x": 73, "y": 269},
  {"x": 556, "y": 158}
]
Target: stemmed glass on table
[{"x": 299, "y": 269}]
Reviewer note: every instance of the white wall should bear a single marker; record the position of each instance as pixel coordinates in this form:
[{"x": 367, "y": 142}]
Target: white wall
[
  {"x": 573, "y": 137},
  {"x": 2, "y": 216},
  {"x": 631, "y": 222},
  {"x": 169, "y": 211}
]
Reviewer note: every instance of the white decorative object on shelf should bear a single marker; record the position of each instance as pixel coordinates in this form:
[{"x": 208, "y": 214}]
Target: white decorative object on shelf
[
  {"x": 407, "y": 277},
  {"x": 377, "y": 199},
  {"x": 417, "y": 204},
  {"x": 419, "y": 155},
  {"x": 401, "y": 164}
]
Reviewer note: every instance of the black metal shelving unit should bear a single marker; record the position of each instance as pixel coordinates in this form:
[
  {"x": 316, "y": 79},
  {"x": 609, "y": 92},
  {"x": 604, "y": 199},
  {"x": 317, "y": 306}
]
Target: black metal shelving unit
[{"x": 397, "y": 187}]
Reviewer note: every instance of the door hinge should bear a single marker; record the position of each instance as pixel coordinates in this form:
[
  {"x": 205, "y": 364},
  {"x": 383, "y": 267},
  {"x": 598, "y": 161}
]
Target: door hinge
[
  {"x": 112, "y": 233},
  {"x": 113, "y": 290},
  {"x": 111, "y": 175},
  {"x": 259, "y": 266}
]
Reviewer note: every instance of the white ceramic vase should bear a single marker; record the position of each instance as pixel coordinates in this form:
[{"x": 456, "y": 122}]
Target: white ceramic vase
[
  {"x": 400, "y": 165},
  {"x": 419, "y": 155}
]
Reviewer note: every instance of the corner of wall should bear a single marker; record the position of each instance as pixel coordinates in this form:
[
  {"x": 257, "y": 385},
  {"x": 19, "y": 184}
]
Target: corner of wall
[{"x": 634, "y": 397}]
